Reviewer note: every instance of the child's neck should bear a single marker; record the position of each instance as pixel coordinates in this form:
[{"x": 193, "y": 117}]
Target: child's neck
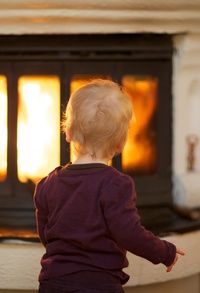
[{"x": 87, "y": 159}]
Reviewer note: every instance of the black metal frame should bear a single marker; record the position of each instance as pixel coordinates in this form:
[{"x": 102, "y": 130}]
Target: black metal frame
[{"x": 65, "y": 56}]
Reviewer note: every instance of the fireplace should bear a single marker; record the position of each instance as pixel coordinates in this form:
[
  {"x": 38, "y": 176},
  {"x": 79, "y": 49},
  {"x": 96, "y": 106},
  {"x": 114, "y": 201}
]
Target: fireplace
[{"x": 38, "y": 73}]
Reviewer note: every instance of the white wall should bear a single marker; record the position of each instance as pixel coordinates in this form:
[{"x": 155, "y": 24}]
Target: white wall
[{"x": 186, "y": 93}]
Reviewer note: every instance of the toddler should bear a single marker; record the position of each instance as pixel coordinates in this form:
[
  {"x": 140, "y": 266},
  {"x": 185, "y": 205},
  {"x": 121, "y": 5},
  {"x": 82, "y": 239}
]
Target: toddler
[{"x": 86, "y": 211}]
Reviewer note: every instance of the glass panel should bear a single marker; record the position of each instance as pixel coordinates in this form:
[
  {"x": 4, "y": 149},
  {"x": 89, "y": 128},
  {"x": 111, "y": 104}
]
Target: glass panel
[
  {"x": 76, "y": 82},
  {"x": 139, "y": 156},
  {"x": 3, "y": 127},
  {"x": 38, "y": 129}
]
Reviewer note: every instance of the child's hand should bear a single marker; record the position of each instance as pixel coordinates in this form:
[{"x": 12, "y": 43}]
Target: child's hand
[{"x": 178, "y": 253}]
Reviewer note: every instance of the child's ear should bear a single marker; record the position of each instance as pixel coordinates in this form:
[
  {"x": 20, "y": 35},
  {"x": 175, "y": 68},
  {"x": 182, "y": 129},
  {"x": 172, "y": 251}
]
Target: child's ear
[{"x": 68, "y": 135}]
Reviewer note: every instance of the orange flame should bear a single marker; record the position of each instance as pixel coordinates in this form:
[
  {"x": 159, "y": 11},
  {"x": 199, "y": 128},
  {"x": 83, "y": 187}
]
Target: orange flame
[
  {"x": 3, "y": 128},
  {"x": 139, "y": 155},
  {"x": 38, "y": 129}
]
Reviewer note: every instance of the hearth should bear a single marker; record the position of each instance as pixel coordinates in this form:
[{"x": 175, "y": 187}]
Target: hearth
[{"x": 38, "y": 73}]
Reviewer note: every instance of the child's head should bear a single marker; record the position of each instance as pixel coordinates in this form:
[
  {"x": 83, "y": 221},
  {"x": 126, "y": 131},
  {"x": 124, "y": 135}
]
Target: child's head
[{"x": 97, "y": 119}]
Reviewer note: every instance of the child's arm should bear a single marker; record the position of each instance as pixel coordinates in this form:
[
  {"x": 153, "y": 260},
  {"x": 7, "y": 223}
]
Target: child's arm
[
  {"x": 40, "y": 210},
  {"x": 123, "y": 221}
]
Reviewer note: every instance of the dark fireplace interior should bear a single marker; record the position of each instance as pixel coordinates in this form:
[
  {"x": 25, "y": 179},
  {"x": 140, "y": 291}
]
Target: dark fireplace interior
[{"x": 37, "y": 75}]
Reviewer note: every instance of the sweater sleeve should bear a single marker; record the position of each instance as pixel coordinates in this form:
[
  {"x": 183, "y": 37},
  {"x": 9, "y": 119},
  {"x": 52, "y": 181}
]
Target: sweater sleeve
[
  {"x": 41, "y": 211},
  {"x": 123, "y": 221}
]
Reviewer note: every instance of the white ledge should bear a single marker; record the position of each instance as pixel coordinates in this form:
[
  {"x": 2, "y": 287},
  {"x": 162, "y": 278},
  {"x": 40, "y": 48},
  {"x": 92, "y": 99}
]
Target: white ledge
[{"x": 20, "y": 264}]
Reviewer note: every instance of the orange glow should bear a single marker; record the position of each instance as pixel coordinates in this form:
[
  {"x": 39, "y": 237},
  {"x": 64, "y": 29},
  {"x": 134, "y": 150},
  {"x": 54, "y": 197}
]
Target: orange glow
[
  {"x": 139, "y": 154},
  {"x": 38, "y": 129},
  {"x": 3, "y": 128},
  {"x": 79, "y": 81}
]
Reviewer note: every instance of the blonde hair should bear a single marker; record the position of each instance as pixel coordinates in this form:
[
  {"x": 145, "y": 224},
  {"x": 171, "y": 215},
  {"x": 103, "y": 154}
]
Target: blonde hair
[{"x": 98, "y": 116}]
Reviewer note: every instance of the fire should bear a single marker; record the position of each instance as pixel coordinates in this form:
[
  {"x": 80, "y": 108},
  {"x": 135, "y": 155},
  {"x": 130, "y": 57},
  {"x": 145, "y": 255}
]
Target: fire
[
  {"x": 3, "y": 127},
  {"x": 38, "y": 125},
  {"x": 38, "y": 128},
  {"x": 139, "y": 155}
]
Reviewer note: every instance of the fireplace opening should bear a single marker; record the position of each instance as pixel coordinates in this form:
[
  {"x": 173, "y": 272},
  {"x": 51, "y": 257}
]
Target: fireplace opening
[{"x": 38, "y": 74}]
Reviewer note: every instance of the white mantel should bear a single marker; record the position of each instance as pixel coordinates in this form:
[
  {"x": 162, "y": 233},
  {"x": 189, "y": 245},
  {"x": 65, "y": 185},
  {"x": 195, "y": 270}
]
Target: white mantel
[
  {"x": 99, "y": 16},
  {"x": 181, "y": 18}
]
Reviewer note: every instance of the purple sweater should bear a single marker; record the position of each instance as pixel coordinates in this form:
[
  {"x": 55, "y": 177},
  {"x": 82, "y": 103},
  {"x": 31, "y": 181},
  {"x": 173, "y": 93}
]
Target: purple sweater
[{"x": 87, "y": 219}]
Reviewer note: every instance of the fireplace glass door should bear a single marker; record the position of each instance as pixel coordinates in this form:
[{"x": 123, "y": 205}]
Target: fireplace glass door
[{"x": 35, "y": 84}]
